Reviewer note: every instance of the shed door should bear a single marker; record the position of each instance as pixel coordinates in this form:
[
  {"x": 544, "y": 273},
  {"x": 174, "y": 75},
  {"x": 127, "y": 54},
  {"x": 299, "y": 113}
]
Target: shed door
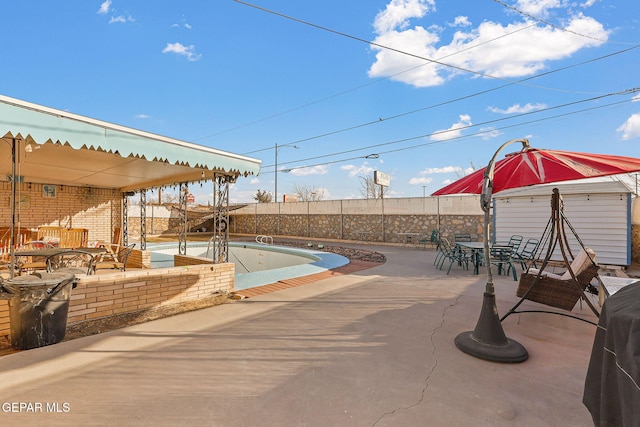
[{"x": 602, "y": 221}]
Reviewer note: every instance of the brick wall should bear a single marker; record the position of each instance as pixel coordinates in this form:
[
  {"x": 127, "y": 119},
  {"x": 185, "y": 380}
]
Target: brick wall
[
  {"x": 4, "y": 318},
  {"x": 98, "y": 210},
  {"x": 105, "y": 295}
]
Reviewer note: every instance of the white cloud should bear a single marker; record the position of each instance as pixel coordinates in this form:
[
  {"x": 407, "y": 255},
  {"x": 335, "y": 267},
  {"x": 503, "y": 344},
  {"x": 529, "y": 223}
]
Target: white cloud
[
  {"x": 631, "y": 128},
  {"x": 184, "y": 24},
  {"x": 488, "y": 133},
  {"x": 324, "y": 193},
  {"x": 142, "y": 116},
  {"x": 461, "y": 21},
  {"x": 446, "y": 169},
  {"x": 537, "y": 8},
  {"x": 242, "y": 196},
  {"x": 404, "y": 68},
  {"x": 424, "y": 177},
  {"x": 312, "y": 170},
  {"x": 398, "y": 13},
  {"x": 454, "y": 131},
  {"x": 422, "y": 180},
  {"x": 509, "y": 50},
  {"x": 254, "y": 181},
  {"x": 180, "y": 49},
  {"x": 121, "y": 19},
  {"x": 589, "y": 3},
  {"x": 104, "y": 7},
  {"x": 517, "y": 108},
  {"x": 361, "y": 170}
]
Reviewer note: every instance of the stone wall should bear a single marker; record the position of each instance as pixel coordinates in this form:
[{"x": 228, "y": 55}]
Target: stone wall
[
  {"x": 373, "y": 220},
  {"x": 635, "y": 243},
  {"x": 369, "y": 228}
]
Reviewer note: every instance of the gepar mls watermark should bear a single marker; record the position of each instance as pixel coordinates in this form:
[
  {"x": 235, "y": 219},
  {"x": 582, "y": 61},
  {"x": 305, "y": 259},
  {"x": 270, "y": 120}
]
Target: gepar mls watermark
[{"x": 35, "y": 407}]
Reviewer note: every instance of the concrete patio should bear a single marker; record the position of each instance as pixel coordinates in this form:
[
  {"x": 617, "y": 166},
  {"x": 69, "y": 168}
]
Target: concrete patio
[{"x": 371, "y": 348}]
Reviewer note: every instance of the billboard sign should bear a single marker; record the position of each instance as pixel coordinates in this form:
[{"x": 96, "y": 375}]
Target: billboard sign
[{"x": 381, "y": 178}]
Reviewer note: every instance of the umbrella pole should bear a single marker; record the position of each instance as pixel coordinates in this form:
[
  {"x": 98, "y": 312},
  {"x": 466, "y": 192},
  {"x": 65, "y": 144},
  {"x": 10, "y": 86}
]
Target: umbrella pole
[
  {"x": 488, "y": 340},
  {"x": 12, "y": 239}
]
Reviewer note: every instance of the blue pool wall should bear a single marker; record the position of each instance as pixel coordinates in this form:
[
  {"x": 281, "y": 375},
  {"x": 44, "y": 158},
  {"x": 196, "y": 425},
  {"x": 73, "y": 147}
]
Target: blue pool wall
[{"x": 256, "y": 264}]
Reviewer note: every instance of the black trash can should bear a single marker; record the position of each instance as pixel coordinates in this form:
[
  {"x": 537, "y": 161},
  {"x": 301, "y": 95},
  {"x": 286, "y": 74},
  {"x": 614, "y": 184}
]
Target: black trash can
[{"x": 38, "y": 308}]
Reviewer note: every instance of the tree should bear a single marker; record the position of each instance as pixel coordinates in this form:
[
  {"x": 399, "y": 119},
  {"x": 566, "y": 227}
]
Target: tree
[
  {"x": 370, "y": 190},
  {"x": 263, "y": 196},
  {"x": 308, "y": 194},
  {"x": 169, "y": 197},
  {"x": 460, "y": 173}
]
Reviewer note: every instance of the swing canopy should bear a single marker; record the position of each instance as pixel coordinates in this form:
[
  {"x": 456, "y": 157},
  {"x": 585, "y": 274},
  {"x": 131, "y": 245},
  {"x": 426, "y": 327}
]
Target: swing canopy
[{"x": 532, "y": 166}]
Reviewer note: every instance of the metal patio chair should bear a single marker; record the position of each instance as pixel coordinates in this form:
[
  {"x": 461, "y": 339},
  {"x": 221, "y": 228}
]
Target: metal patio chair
[
  {"x": 526, "y": 256},
  {"x": 452, "y": 254},
  {"x": 72, "y": 261},
  {"x": 115, "y": 258},
  {"x": 502, "y": 257},
  {"x": 33, "y": 263}
]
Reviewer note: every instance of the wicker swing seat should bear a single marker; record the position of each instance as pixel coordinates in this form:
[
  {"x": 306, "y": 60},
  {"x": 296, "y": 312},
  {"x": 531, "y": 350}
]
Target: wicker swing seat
[{"x": 560, "y": 291}]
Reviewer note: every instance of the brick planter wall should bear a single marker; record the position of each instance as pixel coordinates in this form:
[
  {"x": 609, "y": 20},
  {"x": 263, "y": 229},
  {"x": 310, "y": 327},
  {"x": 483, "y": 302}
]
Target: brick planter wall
[{"x": 104, "y": 295}]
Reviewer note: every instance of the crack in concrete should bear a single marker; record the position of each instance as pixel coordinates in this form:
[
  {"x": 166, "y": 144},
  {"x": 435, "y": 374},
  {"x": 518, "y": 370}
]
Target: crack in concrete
[{"x": 430, "y": 371}]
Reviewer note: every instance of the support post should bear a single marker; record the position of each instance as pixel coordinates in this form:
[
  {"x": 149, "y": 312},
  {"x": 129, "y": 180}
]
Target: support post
[
  {"x": 125, "y": 217},
  {"x": 221, "y": 217},
  {"x": 488, "y": 340},
  {"x": 182, "y": 208},
  {"x": 143, "y": 219},
  {"x": 12, "y": 230}
]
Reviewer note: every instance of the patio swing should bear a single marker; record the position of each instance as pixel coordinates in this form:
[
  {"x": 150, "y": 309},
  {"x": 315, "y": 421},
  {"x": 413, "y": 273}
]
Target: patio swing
[{"x": 559, "y": 291}]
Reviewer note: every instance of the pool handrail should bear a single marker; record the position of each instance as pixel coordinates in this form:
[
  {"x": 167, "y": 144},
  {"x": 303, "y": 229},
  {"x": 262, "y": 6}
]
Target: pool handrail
[{"x": 264, "y": 240}]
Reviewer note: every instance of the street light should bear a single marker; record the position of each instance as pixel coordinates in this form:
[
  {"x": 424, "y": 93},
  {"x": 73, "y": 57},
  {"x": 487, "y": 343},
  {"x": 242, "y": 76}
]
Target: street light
[{"x": 275, "y": 199}]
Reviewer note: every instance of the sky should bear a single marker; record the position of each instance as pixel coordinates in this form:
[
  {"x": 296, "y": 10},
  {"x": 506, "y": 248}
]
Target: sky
[{"x": 424, "y": 91}]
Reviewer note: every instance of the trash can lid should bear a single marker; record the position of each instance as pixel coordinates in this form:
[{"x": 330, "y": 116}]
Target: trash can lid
[{"x": 43, "y": 280}]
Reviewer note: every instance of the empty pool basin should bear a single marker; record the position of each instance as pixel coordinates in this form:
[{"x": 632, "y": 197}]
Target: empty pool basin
[{"x": 256, "y": 264}]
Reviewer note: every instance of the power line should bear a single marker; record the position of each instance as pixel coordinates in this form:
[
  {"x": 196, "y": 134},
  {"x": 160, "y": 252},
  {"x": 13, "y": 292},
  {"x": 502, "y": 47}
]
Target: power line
[
  {"x": 368, "y": 148},
  {"x": 381, "y": 119},
  {"x": 462, "y": 136},
  {"x": 340, "y": 33},
  {"x": 336, "y": 95},
  {"x": 543, "y": 21},
  {"x": 384, "y": 119}
]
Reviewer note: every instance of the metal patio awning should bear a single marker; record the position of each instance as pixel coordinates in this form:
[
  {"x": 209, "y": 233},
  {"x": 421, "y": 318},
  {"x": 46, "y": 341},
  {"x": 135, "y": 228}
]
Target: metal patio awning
[{"x": 57, "y": 147}]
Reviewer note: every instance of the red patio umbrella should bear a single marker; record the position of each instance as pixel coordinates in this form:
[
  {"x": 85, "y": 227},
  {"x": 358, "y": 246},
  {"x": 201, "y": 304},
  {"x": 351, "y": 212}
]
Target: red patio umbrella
[
  {"x": 529, "y": 166},
  {"x": 532, "y": 166}
]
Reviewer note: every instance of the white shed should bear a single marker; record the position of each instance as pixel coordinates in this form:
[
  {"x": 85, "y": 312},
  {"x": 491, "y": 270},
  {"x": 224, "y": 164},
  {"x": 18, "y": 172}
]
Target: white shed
[{"x": 598, "y": 209}]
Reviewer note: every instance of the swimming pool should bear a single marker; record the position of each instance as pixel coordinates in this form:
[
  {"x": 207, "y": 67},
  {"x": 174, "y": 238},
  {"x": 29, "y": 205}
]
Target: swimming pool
[{"x": 256, "y": 264}]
